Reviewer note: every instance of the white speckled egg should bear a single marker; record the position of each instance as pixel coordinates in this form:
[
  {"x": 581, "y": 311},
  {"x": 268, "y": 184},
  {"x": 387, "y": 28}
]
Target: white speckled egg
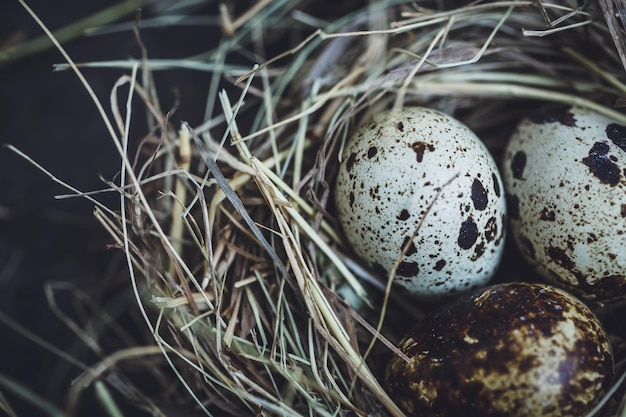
[
  {"x": 418, "y": 180},
  {"x": 565, "y": 176}
]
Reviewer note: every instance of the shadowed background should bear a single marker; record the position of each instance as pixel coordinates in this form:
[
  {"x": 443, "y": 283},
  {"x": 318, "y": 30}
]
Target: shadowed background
[
  {"x": 56, "y": 247},
  {"x": 45, "y": 242}
]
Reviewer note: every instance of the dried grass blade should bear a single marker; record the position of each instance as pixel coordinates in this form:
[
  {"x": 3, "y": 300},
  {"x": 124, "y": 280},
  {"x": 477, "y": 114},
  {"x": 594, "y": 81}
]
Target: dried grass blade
[
  {"x": 180, "y": 193},
  {"x": 324, "y": 317},
  {"x": 5, "y": 406},
  {"x": 610, "y": 9},
  {"x": 510, "y": 90},
  {"x": 238, "y": 205},
  {"x": 50, "y": 175},
  {"x": 610, "y": 78},
  {"x": 314, "y": 236},
  {"x": 69, "y": 32},
  {"x": 26, "y": 394},
  {"x": 107, "y": 400}
]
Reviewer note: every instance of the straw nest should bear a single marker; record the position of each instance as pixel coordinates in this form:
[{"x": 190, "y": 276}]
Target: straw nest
[{"x": 238, "y": 264}]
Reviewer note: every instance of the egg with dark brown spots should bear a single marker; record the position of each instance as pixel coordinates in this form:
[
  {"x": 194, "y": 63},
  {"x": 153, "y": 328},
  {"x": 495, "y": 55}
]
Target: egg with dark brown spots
[
  {"x": 565, "y": 176},
  {"x": 510, "y": 350},
  {"x": 418, "y": 191}
]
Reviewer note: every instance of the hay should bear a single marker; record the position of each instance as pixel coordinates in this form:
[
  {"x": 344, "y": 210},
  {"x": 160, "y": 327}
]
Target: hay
[{"x": 235, "y": 258}]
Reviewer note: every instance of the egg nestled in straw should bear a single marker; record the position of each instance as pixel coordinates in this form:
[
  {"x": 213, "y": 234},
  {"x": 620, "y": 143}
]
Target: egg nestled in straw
[
  {"x": 565, "y": 176},
  {"x": 419, "y": 193},
  {"x": 514, "y": 350}
]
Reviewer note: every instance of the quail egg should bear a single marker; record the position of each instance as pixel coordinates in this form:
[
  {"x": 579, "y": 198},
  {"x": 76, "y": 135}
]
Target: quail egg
[
  {"x": 509, "y": 350},
  {"x": 565, "y": 176},
  {"x": 417, "y": 190}
]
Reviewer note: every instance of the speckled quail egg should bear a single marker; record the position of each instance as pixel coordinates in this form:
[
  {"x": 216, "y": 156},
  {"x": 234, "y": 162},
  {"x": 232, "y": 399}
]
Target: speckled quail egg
[
  {"x": 510, "y": 350},
  {"x": 416, "y": 188},
  {"x": 565, "y": 175}
]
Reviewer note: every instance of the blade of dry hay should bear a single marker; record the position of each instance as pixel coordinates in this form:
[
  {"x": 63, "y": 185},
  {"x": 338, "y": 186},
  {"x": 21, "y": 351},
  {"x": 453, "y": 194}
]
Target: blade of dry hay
[
  {"x": 180, "y": 194},
  {"x": 317, "y": 305},
  {"x": 70, "y": 32},
  {"x": 611, "y": 9},
  {"x": 311, "y": 234},
  {"x": 246, "y": 154},
  {"x": 238, "y": 205},
  {"x": 76, "y": 192},
  {"x": 228, "y": 377},
  {"x": 509, "y": 90},
  {"x": 610, "y": 78}
]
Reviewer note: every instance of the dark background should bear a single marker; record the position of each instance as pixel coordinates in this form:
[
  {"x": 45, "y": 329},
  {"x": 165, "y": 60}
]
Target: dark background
[
  {"x": 44, "y": 241},
  {"x": 47, "y": 243}
]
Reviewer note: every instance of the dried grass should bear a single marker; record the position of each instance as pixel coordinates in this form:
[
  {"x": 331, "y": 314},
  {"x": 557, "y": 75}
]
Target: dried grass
[{"x": 245, "y": 284}]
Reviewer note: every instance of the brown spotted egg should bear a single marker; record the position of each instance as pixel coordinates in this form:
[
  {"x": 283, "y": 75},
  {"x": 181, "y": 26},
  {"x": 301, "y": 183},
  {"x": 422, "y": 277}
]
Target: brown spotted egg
[
  {"x": 565, "y": 176},
  {"x": 417, "y": 181},
  {"x": 510, "y": 350}
]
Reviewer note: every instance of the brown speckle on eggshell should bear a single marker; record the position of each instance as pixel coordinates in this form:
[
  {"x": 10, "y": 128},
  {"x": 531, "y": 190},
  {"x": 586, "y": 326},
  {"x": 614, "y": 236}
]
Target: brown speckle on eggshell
[{"x": 510, "y": 350}]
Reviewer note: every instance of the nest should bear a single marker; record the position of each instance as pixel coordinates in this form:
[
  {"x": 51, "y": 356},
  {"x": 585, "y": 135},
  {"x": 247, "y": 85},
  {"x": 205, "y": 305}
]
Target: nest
[{"x": 238, "y": 265}]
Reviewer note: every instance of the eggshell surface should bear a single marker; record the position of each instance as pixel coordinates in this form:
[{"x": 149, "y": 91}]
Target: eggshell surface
[
  {"x": 417, "y": 189},
  {"x": 510, "y": 350},
  {"x": 565, "y": 175}
]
